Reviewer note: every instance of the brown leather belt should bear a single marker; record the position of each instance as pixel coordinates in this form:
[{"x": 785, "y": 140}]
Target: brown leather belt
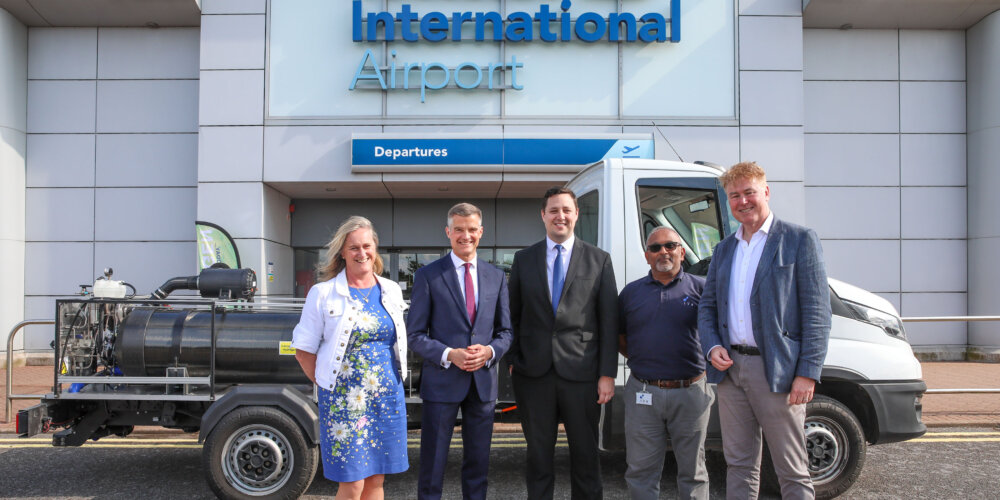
[
  {"x": 746, "y": 350},
  {"x": 673, "y": 384}
]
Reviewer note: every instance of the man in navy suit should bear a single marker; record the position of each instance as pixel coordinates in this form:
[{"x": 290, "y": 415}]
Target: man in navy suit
[
  {"x": 764, "y": 322},
  {"x": 459, "y": 322}
]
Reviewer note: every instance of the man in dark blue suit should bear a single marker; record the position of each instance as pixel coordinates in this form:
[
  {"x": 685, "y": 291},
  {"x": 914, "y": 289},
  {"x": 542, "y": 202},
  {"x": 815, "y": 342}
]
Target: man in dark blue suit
[
  {"x": 764, "y": 321},
  {"x": 459, "y": 322}
]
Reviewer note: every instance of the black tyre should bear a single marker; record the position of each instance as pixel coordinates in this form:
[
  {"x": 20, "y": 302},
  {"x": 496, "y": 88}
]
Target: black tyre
[
  {"x": 259, "y": 452},
  {"x": 835, "y": 447}
]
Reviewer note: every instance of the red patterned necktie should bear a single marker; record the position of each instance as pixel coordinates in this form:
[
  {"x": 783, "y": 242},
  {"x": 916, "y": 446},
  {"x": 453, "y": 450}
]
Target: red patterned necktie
[{"x": 470, "y": 293}]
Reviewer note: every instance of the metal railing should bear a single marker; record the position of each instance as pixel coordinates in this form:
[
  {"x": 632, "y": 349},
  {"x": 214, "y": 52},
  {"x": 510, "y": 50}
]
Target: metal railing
[
  {"x": 930, "y": 319},
  {"x": 9, "y": 395}
]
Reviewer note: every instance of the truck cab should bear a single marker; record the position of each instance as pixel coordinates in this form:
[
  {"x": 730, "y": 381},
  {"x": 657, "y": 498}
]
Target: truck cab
[{"x": 870, "y": 387}]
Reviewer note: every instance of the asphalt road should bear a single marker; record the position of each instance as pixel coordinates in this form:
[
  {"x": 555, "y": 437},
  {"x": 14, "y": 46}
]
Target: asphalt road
[{"x": 946, "y": 463}]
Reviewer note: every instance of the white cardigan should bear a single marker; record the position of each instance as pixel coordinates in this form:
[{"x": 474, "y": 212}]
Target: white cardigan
[{"x": 328, "y": 318}]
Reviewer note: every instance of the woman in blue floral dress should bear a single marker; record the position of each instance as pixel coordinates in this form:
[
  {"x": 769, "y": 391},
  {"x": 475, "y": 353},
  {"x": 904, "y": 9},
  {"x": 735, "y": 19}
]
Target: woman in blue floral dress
[{"x": 351, "y": 340}]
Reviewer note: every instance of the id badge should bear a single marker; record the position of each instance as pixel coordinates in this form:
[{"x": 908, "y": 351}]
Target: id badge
[{"x": 644, "y": 398}]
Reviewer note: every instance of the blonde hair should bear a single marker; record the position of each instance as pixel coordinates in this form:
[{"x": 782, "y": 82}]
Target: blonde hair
[
  {"x": 743, "y": 170},
  {"x": 333, "y": 262}
]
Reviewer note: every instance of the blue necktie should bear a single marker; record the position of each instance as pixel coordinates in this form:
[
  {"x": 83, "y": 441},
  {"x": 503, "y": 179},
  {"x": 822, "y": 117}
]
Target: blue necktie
[{"x": 558, "y": 279}]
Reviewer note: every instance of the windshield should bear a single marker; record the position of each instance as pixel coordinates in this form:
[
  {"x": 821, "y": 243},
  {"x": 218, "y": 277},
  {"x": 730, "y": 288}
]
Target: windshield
[{"x": 692, "y": 209}]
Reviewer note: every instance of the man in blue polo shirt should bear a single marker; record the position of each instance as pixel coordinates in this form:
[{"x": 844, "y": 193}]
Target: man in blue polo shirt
[{"x": 666, "y": 396}]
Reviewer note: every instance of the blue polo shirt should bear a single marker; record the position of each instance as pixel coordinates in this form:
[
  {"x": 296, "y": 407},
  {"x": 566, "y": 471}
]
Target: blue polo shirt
[{"x": 660, "y": 323}]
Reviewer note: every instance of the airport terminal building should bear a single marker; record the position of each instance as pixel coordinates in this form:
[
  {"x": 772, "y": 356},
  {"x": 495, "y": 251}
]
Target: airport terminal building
[{"x": 124, "y": 122}]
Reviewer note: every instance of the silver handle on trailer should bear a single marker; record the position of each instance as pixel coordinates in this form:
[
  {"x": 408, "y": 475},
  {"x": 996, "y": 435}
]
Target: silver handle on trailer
[{"x": 9, "y": 369}]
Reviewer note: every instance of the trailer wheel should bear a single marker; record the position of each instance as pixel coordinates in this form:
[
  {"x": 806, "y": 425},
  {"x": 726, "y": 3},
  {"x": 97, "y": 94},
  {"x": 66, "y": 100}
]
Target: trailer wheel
[
  {"x": 835, "y": 449},
  {"x": 258, "y": 452}
]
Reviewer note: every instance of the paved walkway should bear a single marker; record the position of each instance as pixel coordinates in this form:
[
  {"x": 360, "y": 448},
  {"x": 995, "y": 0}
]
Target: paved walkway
[{"x": 940, "y": 410}]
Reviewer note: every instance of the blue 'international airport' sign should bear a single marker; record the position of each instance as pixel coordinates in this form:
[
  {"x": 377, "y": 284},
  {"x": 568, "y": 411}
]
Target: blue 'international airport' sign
[{"x": 389, "y": 154}]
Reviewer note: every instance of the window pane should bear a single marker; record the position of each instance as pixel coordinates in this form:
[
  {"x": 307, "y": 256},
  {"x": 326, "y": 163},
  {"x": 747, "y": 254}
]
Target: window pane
[
  {"x": 305, "y": 263},
  {"x": 587, "y": 224},
  {"x": 693, "y": 213}
]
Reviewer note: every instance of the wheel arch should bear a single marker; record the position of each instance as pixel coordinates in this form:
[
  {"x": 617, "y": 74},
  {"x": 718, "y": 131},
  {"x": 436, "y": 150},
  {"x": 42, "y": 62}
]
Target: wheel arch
[
  {"x": 293, "y": 402},
  {"x": 844, "y": 385}
]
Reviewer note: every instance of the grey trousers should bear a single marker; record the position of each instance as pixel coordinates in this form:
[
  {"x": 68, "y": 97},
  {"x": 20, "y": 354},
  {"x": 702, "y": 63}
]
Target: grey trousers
[
  {"x": 680, "y": 415},
  {"x": 747, "y": 406}
]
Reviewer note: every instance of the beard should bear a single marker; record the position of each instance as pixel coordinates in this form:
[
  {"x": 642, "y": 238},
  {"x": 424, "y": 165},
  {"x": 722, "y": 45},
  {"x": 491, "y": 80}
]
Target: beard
[{"x": 664, "y": 266}]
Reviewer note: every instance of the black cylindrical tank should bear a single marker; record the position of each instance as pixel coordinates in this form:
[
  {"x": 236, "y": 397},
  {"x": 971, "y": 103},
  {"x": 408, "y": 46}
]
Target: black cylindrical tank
[{"x": 247, "y": 349}]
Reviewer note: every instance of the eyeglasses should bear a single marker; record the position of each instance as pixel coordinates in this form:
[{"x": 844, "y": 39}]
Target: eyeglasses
[{"x": 655, "y": 247}]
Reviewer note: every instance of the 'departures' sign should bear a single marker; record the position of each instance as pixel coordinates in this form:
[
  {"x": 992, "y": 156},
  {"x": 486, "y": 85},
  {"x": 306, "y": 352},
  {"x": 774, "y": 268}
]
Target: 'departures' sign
[{"x": 387, "y": 153}]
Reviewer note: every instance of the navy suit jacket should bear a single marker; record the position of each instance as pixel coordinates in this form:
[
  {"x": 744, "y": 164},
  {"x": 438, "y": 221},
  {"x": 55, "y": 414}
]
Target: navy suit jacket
[
  {"x": 438, "y": 319},
  {"x": 789, "y": 305}
]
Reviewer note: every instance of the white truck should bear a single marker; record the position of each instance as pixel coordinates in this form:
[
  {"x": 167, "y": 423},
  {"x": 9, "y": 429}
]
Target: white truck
[{"x": 871, "y": 388}]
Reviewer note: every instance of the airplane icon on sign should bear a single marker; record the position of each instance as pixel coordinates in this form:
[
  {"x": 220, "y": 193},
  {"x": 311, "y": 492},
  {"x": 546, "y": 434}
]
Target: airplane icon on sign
[{"x": 626, "y": 150}]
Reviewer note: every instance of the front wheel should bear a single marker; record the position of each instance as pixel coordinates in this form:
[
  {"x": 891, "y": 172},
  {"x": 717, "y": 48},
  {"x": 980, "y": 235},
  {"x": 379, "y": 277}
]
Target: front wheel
[
  {"x": 835, "y": 449},
  {"x": 258, "y": 452}
]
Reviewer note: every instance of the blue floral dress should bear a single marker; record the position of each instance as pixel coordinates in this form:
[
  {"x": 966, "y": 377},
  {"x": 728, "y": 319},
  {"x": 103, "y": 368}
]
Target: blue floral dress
[{"x": 363, "y": 419}]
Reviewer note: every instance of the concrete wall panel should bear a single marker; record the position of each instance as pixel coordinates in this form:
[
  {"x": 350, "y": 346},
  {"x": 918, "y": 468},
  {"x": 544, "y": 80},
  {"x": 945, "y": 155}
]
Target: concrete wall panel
[
  {"x": 983, "y": 278},
  {"x": 770, "y": 43},
  {"x": 771, "y": 98},
  {"x": 787, "y": 200},
  {"x": 57, "y": 268},
  {"x": 778, "y": 149},
  {"x": 147, "y": 106},
  {"x": 147, "y": 160},
  {"x": 869, "y": 264},
  {"x": 983, "y": 73},
  {"x": 59, "y": 214},
  {"x": 60, "y": 160},
  {"x": 932, "y": 107},
  {"x": 277, "y": 219},
  {"x": 232, "y": 42},
  {"x": 853, "y": 212},
  {"x": 932, "y": 55},
  {"x": 236, "y": 206},
  {"x": 141, "y": 53},
  {"x": 852, "y": 107},
  {"x": 62, "y": 53},
  {"x": 237, "y": 98},
  {"x": 850, "y": 55},
  {"x": 852, "y": 159},
  {"x": 934, "y": 265},
  {"x": 61, "y": 107},
  {"x": 984, "y": 149},
  {"x": 933, "y": 212},
  {"x": 933, "y": 159},
  {"x": 145, "y": 214},
  {"x": 231, "y": 154},
  {"x": 12, "y": 192},
  {"x": 147, "y": 264}
]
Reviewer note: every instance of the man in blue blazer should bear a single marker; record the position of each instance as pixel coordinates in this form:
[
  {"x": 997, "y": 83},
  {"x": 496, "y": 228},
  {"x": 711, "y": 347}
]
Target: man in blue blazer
[
  {"x": 764, "y": 323},
  {"x": 459, "y": 322}
]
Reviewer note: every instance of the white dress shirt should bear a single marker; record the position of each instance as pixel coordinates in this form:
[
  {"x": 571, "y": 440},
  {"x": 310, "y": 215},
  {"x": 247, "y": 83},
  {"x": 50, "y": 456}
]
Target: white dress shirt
[
  {"x": 460, "y": 271},
  {"x": 741, "y": 277},
  {"x": 550, "y": 257},
  {"x": 473, "y": 269}
]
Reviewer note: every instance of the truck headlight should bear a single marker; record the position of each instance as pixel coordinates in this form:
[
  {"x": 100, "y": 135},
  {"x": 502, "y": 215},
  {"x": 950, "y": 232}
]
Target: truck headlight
[{"x": 889, "y": 323}]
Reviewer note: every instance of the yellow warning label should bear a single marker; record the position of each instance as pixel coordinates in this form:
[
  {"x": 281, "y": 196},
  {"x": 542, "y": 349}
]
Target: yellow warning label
[{"x": 285, "y": 348}]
